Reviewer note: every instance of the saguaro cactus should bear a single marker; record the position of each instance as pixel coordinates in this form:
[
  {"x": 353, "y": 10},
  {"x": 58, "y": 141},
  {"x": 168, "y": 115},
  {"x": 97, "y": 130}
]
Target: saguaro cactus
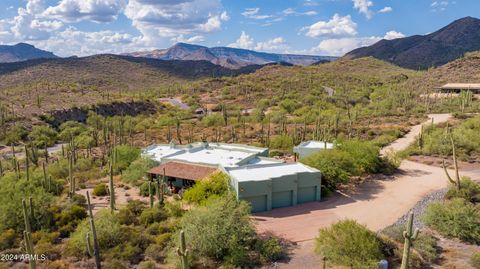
[
  {"x": 409, "y": 236},
  {"x": 111, "y": 189},
  {"x": 27, "y": 233},
  {"x": 96, "y": 252},
  {"x": 150, "y": 194},
  {"x": 455, "y": 181},
  {"x": 27, "y": 164},
  {"x": 182, "y": 251}
]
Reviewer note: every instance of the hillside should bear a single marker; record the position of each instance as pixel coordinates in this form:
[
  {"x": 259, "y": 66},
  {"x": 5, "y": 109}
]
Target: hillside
[
  {"x": 22, "y": 52},
  {"x": 425, "y": 51},
  {"x": 227, "y": 57},
  {"x": 66, "y": 82}
]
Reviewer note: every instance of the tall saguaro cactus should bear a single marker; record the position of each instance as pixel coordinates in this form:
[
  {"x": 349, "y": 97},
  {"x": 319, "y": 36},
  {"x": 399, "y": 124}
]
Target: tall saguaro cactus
[
  {"x": 111, "y": 189},
  {"x": 455, "y": 181},
  {"x": 27, "y": 234},
  {"x": 96, "y": 252},
  {"x": 409, "y": 236},
  {"x": 182, "y": 251},
  {"x": 27, "y": 164}
]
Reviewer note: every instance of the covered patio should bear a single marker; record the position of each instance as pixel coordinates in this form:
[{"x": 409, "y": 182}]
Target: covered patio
[{"x": 180, "y": 175}]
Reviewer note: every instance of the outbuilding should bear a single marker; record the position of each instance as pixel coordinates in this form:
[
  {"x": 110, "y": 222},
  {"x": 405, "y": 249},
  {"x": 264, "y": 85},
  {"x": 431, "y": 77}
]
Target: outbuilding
[{"x": 307, "y": 148}]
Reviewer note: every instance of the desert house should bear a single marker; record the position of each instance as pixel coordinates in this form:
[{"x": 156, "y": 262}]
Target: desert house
[
  {"x": 266, "y": 183},
  {"x": 307, "y": 148}
]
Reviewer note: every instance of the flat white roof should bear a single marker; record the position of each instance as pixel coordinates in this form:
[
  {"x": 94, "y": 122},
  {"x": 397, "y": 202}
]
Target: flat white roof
[
  {"x": 315, "y": 145},
  {"x": 265, "y": 172},
  {"x": 158, "y": 152},
  {"x": 214, "y": 156}
]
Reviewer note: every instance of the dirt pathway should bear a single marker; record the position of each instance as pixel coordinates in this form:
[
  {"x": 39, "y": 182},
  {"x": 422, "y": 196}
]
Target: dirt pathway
[{"x": 377, "y": 203}]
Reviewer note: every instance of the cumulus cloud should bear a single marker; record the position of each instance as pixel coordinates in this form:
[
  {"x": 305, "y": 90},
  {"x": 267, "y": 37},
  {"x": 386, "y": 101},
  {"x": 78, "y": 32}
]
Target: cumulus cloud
[
  {"x": 157, "y": 20},
  {"x": 337, "y": 26},
  {"x": 393, "y": 35},
  {"x": 363, "y": 7},
  {"x": 245, "y": 41},
  {"x": 340, "y": 46},
  {"x": 192, "y": 39},
  {"x": 310, "y": 3},
  {"x": 253, "y": 13},
  {"x": 91, "y": 10},
  {"x": 385, "y": 10}
]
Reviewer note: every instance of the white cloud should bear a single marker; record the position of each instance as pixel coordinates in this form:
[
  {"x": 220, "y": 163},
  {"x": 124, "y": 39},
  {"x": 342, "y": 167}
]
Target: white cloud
[
  {"x": 337, "y": 26},
  {"x": 292, "y": 12},
  {"x": 277, "y": 44},
  {"x": 310, "y": 3},
  {"x": 340, "y": 46},
  {"x": 363, "y": 7},
  {"x": 253, "y": 13},
  {"x": 243, "y": 42},
  {"x": 159, "y": 21},
  {"x": 385, "y": 10},
  {"x": 90, "y": 10},
  {"x": 393, "y": 35},
  {"x": 441, "y": 5},
  {"x": 192, "y": 39}
]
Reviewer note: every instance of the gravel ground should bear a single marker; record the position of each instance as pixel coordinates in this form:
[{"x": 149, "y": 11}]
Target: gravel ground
[{"x": 420, "y": 208}]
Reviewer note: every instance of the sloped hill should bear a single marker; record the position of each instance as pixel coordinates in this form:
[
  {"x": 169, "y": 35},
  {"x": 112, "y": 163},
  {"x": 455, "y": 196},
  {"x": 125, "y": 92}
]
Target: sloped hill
[
  {"x": 425, "y": 51},
  {"x": 22, "y": 52}
]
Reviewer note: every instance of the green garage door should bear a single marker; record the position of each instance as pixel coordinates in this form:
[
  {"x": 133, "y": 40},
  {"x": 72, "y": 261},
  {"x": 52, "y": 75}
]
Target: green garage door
[
  {"x": 282, "y": 199},
  {"x": 306, "y": 194},
  {"x": 258, "y": 203}
]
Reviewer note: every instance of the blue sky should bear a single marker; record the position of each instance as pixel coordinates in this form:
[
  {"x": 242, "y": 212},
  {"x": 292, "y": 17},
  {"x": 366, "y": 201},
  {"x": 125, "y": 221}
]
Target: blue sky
[{"x": 323, "y": 27}]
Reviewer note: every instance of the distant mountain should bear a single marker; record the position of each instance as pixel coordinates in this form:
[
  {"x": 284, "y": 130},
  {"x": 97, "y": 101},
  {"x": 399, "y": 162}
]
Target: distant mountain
[
  {"x": 425, "y": 51},
  {"x": 228, "y": 57},
  {"x": 22, "y": 52}
]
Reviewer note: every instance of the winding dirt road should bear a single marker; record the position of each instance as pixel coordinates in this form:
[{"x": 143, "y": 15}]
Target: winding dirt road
[{"x": 376, "y": 203}]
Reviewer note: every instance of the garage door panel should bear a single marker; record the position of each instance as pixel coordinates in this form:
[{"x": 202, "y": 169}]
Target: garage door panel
[
  {"x": 307, "y": 194},
  {"x": 282, "y": 199},
  {"x": 258, "y": 203}
]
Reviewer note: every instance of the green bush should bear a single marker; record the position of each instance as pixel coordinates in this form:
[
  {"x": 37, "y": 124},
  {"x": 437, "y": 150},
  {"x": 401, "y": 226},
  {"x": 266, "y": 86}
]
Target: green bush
[
  {"x": 270, "y": 249},
  {"x": 7, "y": 239},
  {"x": 145, "y": 187},
  {"x": 348, "y": 243},
  {"x": 100, "y": 190},
  {"x": 475, "y": 260},
  {"x": 281, "y": 142},
  {"x": 365, "y": 154},
  {"x": 469, "y": 190},
  {"x": 125, "y": 156},
  {"x": 136, "y": 170},
  {"x": 214, "y": 185},
  {"x": 109, "y": 233},
  {"x": 42, "y": 136},
  {"x": 220, "y": 231},
  {"x": 129, "y": 214},
  {"x": 125, "y": 252},
  {"x": 336, "y": 166},
  {"x": 455, "y": 218},
  {"x": 147, "y": 265},
  {"x": 154, "y": 214},
  {"x": 16, "y": 134}
]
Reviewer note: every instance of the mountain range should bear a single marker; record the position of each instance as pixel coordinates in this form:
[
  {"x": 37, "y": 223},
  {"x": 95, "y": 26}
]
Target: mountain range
[
  {"x": 228, "y": 57},
  {"x": 22, "y": 52},
  {"x": 424, "y": 51}
]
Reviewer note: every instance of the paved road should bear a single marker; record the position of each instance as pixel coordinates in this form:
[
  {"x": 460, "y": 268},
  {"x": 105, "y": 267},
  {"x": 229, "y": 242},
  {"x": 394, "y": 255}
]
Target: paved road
[{"x": 376, "y": 204}]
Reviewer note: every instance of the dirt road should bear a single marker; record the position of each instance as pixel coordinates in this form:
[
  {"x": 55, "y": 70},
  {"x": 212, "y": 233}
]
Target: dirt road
[{"x": 376, "y": 204}]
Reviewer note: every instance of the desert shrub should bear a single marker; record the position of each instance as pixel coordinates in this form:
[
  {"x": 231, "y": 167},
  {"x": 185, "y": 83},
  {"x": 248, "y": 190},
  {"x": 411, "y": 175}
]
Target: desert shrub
[
  {"x": 16, "y": 134},
  {"x": 100, "y": 190},
  {"x": 70, "y": 129},
  {"x": 125, "y": 156},
  {"x": 154, "y": 214},
  {"x": 109, "y": 233},
  {"x": 42, "y": 136},
  {"x": 455, "y": 218},
  {"x": 67, "y": 219},
  {"x": 365, "y": 154},
  {"x": 146, "y": 265},
  {"x": 144, "y": 188},
  {"x": 336, "y": 166},
  {"x": 469, "y": 190},
  {"x": 281, "y": 142},
  {"x": 219, "y": 231},
  {"x": 52, "y": 251},
  {"x": 13, "y": 191},
  {"x": 348, "y": 243},
  {"x": 270, "y": 249},
  {"x": 215, "y": 119},
  {"x": 136, "y": 170},
  {"x": 129, "y": 214},
  {"x": 7, "y": 239},
  {"x": 125, "y": 252},
  {"x": 475, "y": 260},
  {"x": 174, "y": 209},
  {"x": 216, "y": 184}
]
